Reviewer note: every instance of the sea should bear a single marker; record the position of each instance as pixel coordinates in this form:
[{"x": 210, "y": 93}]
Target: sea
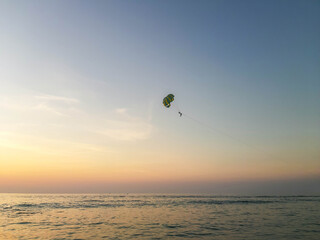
[{"x": 158, "y": 216}]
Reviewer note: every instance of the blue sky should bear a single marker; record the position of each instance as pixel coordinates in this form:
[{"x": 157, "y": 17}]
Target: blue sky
[{"x": 71, "y": 70}]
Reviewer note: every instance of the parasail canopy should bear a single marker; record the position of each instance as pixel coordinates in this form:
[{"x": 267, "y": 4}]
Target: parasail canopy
[{"x": 167, "y": 100}]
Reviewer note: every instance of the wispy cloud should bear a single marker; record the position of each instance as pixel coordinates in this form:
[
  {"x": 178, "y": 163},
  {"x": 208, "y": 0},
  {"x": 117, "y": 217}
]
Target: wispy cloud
[
  {"x": 46, "y": 108},
  {"x": 128, "y": 127},
  {"x": 57, "y": 105},
  {"x": 48, "y": 145},
  {"x": 73, "y": 119},
  {"x": 48, "y": 103},
  {"x": 57, "y": 98},
  {"x": 129, "y": 132},
  {"x": 121, "y": 110}
]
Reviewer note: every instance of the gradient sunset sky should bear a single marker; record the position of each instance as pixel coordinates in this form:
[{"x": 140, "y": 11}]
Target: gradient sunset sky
[{"x": 82, "y": 84}]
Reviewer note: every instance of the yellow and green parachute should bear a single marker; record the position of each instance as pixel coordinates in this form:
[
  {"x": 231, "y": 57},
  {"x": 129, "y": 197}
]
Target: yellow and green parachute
[{"x": 167, "y": 100}]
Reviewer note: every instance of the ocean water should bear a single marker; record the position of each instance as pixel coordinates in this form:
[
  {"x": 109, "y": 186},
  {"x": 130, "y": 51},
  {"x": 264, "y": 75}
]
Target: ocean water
[{"x": 148, "y": 216}]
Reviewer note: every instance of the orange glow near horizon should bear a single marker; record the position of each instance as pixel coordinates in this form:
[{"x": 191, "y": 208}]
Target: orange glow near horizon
[{"x": 31, "y": 167}]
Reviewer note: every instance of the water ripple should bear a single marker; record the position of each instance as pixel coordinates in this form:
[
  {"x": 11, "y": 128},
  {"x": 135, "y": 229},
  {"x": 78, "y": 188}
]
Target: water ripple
[{"x": 134, "y": 216}]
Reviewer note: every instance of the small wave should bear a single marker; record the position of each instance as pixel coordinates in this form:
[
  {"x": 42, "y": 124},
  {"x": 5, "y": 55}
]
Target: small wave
[
  {"x": 221, "y": 202},
  {"x": 23, "y": 223},
  {"x": 24, "y": 212},
  {"x": 24, "y": 208},
  {"x": 183, "y": 235},
  {"x": 172, "y": 226},
  {"x": 103, "y": 205},
  {"x": 92, "y": 200},
  {"x": 26, "y": 205},
  {"x": 96, "y": 223}
]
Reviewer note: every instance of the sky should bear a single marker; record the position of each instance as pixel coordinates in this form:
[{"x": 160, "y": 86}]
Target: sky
[{"x": 82, "y": 84}]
